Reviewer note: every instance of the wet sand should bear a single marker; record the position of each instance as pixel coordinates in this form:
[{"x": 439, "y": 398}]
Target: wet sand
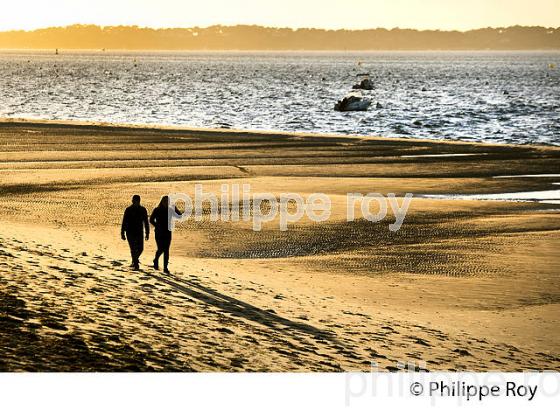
[{"x": 464, "y": 285}]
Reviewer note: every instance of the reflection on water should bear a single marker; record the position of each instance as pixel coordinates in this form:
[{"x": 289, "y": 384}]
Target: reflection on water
[
  {"x": 543, "y": 197},
  {"x": 479, "y": 96}
]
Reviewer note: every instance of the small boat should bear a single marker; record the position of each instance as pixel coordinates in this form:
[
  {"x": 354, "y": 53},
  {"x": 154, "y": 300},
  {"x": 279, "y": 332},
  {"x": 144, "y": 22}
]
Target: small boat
[
  {"x": 365, "y": 84},
  {"x": 353, "y": 102}
]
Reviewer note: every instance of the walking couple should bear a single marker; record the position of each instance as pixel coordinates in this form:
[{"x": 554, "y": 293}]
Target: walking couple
[{"x": 135, "y": 223}]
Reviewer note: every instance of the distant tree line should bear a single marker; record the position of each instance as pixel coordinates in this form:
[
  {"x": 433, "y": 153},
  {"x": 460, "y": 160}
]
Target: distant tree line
[{"x": 245, "y": 37}]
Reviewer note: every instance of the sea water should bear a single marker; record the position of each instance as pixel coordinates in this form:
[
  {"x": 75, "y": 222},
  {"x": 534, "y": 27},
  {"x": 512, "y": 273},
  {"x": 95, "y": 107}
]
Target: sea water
[{"x": 498, "y": 97}]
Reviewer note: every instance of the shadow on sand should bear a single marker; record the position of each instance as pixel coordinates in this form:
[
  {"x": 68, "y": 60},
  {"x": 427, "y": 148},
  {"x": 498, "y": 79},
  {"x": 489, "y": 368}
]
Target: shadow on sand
[{"x": 240, "y": 308}]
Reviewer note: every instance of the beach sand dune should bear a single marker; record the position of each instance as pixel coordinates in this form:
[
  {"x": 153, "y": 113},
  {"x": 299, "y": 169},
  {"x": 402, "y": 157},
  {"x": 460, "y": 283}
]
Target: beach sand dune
[{"x": 463, "y": 285}]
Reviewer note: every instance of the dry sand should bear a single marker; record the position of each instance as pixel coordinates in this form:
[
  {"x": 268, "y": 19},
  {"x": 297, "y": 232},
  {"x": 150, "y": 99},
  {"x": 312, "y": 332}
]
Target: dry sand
[{"x": 464, "y": 285}]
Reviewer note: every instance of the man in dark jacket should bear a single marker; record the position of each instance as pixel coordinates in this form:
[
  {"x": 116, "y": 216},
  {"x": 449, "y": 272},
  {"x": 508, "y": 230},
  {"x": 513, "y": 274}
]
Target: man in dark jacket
[{"x": 135, "y": 220}]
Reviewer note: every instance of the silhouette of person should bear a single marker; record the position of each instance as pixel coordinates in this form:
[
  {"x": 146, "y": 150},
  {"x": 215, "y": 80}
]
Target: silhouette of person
[
  {"x": 159, "y": 218},
  {"x": 135, "y": 220}
]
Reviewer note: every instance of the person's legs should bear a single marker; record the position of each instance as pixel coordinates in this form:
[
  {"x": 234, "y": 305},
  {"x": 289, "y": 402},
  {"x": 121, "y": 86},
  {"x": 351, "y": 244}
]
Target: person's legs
[
  {"x": 156, "y": 260},
  {"x": 140, "y": 247},
  {"x": 132, "y": 246},
  {"x": 166, "y": 253},
  {"x": 136, "y": 243},
  {"x": 159, "y": 251},
  {"x": 165, "y": 243}
]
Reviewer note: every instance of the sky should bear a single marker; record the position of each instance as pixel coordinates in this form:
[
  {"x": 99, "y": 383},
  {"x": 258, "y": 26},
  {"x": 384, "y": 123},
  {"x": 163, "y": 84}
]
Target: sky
[{"x": 348, "y": 14}]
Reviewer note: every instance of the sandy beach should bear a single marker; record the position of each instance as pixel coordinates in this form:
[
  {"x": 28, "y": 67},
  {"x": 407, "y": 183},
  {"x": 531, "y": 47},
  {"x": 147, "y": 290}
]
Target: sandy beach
[{"x": 464, "y": 285}]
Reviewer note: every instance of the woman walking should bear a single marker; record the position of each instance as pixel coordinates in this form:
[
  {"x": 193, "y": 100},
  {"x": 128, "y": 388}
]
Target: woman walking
[{"x": 159, "y": 220}]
